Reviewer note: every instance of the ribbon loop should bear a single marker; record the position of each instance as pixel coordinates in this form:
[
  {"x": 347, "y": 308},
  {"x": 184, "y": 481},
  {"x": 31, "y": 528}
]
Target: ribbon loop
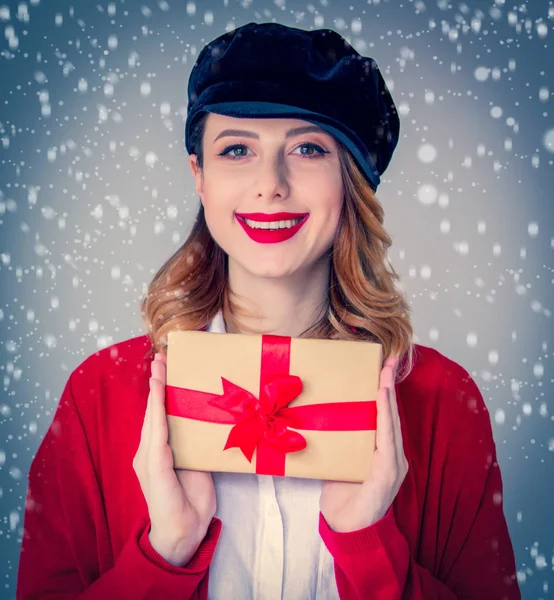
[
  {"x": 279, "y": 390},
  {"x": 235, "y": 400}
]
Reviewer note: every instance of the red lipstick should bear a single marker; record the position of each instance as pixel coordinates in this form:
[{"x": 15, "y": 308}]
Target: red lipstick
[
  {"x": 267, "y": 218},
  {"x": 267, "y": 236}
]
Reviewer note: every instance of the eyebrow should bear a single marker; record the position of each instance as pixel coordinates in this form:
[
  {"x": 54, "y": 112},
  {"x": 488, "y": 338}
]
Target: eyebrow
[{"x": 251, "y": 134}]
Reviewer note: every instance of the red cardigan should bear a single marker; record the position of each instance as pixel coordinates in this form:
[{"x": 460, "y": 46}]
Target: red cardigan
[{"x": 86, "y": 520}]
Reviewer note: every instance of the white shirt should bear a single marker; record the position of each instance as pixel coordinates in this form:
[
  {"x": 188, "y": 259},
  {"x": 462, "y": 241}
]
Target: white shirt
[{"x": 269, "y": 547}]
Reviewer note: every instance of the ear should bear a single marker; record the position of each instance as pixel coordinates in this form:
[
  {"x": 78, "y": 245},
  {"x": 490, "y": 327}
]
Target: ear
[{"x": 198, "y": 175}]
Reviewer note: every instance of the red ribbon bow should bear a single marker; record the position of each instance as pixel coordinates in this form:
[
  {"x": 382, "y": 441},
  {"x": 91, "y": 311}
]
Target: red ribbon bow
[
  {"x": 262, "y": 423},
  {"x": 263, "y": 418}
]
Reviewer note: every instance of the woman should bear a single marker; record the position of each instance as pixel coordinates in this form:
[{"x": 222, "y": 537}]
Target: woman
[{"x": 295, "y": 128}]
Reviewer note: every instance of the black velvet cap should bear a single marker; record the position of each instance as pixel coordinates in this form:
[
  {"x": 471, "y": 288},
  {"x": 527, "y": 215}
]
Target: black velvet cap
[{"x": 272, "y": 70}]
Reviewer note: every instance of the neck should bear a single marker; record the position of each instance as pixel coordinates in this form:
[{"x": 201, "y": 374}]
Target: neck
[{"x": 285, "y": 305}]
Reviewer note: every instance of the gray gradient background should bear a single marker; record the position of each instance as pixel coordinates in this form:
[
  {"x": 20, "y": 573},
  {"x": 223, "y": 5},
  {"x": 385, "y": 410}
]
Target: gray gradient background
[{"x": 88, "y": 214}]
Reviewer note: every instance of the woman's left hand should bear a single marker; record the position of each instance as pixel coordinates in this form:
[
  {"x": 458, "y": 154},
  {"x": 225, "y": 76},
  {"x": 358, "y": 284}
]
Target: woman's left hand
[{"x": 349, "y": 506}]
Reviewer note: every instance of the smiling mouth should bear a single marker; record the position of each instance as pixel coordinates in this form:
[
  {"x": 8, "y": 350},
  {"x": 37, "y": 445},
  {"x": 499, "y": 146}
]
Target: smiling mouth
[{"x": 272, "y": 225}]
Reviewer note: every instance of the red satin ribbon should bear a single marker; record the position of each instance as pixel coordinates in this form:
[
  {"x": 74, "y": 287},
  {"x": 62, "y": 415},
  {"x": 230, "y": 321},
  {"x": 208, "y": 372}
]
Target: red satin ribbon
[{"x": 262, "y": 423}]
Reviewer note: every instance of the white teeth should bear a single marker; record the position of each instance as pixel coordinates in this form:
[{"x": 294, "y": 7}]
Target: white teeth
[{"x": 273, "y": 224}]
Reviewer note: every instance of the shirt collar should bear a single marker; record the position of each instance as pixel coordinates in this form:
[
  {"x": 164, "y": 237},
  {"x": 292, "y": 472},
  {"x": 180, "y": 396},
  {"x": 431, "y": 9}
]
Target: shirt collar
[{"x": 218, "y": 323}]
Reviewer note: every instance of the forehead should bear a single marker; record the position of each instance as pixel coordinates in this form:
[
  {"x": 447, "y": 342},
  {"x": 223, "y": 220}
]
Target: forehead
[{"x": 216, "y": 123}]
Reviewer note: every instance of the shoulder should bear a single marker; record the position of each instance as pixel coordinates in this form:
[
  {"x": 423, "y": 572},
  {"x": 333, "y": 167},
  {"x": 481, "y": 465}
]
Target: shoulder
[
  {"x": 436, "y": 370},
  {"x": 113, "y": 371},
  {"x": 447, "y": 389},
  {"x": 129, "y": 357},
  {"x": 430, "y": 363}
]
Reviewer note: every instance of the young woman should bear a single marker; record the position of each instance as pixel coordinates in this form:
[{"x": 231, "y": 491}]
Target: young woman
[{"x": 288, "y": 133}]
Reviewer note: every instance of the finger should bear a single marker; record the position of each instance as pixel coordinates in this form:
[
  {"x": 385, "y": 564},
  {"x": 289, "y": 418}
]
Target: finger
[
  {"x": 398, "y": 440},
  {"x": 385, "y": 441},
  {"x": 387, "y": 381},
  {"x": 145, "y": 431},
  {"x": 159, "y": 369},
  {"x": 385, "y": 431},
  {"x": 392, "y": 361},
  {"x": 390, "y": 368},
  {"x": 160, "y": 356},
  {"x": 151, "y": 400},
  {"x": 159, "y": 432},
  {"x": 390, "y": 379},
  {"x": 384, "y": 377},
  {"x": 143, "y": 441}
]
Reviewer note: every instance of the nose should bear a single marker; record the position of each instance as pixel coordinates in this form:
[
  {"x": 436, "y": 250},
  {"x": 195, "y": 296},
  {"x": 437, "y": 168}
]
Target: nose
[{"x": 272, "y": 177}]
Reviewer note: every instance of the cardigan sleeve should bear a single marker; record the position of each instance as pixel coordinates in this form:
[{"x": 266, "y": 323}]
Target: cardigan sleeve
[
  {"x": 65, "y": 536},
  {"x": 476, "y": 560}
]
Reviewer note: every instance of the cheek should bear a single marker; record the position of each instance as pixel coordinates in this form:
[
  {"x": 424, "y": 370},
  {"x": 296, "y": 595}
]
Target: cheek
[
  {"x": 326, "y": 187},
  {"x": 335, "y": 221},
  {"x": 337, "y": 210},
  {"x": 218, "y": 203},
  {"x": 326, "y": 221},
  {"x": 335, "y": 202},
  {"x": 219, "y": 213}
]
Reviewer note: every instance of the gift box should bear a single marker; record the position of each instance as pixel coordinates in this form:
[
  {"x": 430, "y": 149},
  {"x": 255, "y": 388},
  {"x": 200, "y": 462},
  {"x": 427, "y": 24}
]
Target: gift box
[{"x": 272, "y": 405}]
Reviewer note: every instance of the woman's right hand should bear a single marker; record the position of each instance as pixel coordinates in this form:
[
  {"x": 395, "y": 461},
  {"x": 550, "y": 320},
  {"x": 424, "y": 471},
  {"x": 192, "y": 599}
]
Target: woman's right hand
[{"x": 181, "y": 502}]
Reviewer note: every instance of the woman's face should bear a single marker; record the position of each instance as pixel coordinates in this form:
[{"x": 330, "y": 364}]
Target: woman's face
[{"x": 262, "y": 167}]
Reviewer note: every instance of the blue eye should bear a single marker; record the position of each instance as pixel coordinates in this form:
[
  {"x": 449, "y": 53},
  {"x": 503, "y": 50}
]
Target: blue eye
[
  {"x": 229, "y": 149},
  {"x": 319, "y": 150}
]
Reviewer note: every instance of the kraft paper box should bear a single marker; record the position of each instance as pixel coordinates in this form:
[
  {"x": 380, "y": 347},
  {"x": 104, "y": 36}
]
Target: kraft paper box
[{"x": 272, "y": 405}]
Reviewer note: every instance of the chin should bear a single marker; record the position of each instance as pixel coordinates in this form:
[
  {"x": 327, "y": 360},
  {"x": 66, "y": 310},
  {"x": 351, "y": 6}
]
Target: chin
[
  {"x": 267, "y": 271},
  {"x": 271, "y": 268}
]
